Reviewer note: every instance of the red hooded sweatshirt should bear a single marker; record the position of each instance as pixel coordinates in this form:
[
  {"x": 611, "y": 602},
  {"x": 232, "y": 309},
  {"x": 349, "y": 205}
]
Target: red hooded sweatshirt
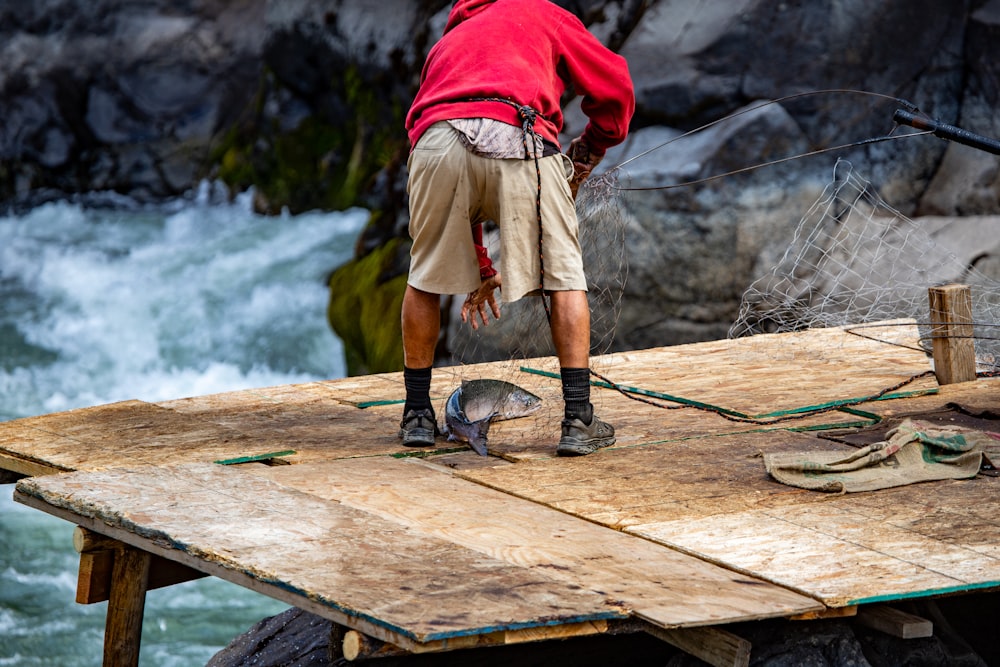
[{"x": 527, "y": 51}]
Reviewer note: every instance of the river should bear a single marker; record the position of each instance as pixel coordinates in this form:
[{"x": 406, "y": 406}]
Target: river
[{"x": 109, "y": 300}]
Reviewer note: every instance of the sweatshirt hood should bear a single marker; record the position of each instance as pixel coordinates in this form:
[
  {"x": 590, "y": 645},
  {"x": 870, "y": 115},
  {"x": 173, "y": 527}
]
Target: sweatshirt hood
[{"x": 465, "y": 9}]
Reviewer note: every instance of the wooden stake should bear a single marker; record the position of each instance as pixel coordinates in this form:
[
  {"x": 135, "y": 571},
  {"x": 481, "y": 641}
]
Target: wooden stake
[
  {"x": 123, "y": 628},
  {"x": 951, "y": 333}
]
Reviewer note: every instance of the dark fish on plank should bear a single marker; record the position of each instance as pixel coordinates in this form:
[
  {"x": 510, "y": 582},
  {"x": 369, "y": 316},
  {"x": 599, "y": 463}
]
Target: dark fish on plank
[{"x": 477, "y": 403}]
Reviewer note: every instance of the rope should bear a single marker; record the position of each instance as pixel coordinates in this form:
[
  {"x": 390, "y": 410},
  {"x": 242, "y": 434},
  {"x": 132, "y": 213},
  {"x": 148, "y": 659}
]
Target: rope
[
  {"x": 528, "y": 116},
  {"x": 739, "y": 417},
  {"x": 888, "y": 137}
]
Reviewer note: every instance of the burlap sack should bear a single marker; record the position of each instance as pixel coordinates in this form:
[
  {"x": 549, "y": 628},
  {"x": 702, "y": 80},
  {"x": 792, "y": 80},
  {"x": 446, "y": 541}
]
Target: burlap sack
[{"x": 915, "y": 451}]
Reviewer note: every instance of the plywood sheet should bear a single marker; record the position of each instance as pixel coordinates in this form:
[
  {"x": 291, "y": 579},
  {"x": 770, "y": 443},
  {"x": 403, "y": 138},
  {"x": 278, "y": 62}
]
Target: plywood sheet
[
  {"x": 356, "y": 567},
  {"x": 306, "y": 419},
  {"x": 816, "y": 366},
  {"x": 661, "y": 585},
  {"x": 839, "y": 552},
  {"x": 125, "y": 432},
  {"x": 712, "y": 498},
  {"x": 621, "y": 487}
]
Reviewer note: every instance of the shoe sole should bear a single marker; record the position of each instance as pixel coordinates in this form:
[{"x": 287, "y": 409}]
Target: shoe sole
[
  {"x": 417, "y": 438},
  {"x": 583, "y": 448}
]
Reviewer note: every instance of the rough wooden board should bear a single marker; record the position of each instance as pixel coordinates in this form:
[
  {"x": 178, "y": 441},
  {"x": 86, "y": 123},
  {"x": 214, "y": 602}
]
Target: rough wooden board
[
  {"x": 629, "y": 486},
  {"x": 125, "y": 432},
  {"x": 979, "y": 395},
  {"x": 638, "y": 424},
  {"x": 839, "y": 556},
  {"x": 355, "y": 565},
  {"x": 818, "y": 366},
  {"x": 662, "y": 586},
  {"x": 319, "y": 420},
  {"x": 939, "y": 511},
  {"x": 304, "y": 419},
  {"x": 712, "y": 497},
  {"x": 895, "y": 622}
]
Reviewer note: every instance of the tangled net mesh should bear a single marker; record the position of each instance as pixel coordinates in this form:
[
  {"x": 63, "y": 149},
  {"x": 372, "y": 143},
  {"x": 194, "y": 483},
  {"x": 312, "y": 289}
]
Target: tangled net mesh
[
  {"x": 522, "y": 333},
  {"x": 855, "y": 261}
]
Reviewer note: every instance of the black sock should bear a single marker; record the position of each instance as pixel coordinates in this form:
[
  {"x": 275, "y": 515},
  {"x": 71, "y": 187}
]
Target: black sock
[
  {"x": 576, "y": 393},
  {"x": 418, "y": 389}
]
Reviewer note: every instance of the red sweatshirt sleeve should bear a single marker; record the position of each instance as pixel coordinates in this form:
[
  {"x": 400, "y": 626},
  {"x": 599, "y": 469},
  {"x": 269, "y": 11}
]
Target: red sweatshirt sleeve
[
  {"x": 486, "y": 269},
  {"x": 602, "y": 78}
]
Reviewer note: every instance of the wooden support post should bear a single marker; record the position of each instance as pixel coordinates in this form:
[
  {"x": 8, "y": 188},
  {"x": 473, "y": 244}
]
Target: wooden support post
[
  {"x": 895, "y": 622},
  {"x": 951, "y": 333},
  {"x": 712, "y": 645},
  {"x": 358, "y": 646},
  {"x": 97, "y": 560},
  {"x": 123, "y": 627}
]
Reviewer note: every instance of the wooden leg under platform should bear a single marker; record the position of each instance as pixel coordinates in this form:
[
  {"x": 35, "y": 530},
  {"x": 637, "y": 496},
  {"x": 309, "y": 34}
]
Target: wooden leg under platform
[
  {"x": 123, "y": 628},
  {"x": 120, "y": 574}
]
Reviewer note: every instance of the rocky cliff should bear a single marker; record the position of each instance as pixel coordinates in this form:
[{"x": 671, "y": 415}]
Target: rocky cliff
[{"x": 304, "y": 102}]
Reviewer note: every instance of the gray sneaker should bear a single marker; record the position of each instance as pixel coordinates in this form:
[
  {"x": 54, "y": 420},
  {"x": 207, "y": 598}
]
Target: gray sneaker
[
  {"x": 579, "y": 439},
  {"x": 418, "y": 428}
]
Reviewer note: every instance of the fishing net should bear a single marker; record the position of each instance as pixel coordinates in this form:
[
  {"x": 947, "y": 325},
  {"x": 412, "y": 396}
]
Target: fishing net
[
  {"x": 522, "y": 331},
  {"x": 520, "y": 341},
  {"x": 854, "y": 261}
]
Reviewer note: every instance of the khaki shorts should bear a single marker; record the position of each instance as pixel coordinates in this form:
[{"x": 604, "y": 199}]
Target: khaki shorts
[{"x": 451, "y": 189}]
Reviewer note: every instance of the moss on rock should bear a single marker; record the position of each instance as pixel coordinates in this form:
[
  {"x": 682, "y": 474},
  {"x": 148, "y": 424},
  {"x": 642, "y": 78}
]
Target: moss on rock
[
  {"x": 324, "y": 162},
  {"x": 366, "y": 297}
]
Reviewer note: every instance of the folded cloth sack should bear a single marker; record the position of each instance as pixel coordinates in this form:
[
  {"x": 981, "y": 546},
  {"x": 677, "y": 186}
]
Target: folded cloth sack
[{"x": 915, "y": 451}]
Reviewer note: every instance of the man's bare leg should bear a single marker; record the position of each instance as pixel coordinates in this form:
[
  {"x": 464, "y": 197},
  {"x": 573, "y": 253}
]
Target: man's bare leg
[
  {"x": 571, "y": 328},
  {"x": 421, "y": 327},
  {"x": 582, "y": 432},
  {"x": 421, "y": 322}
]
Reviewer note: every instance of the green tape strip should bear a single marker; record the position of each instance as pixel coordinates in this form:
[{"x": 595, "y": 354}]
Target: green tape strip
[
  {"x": 646, "y": 392},
  {"x": 255, "y": 457},
  {"x": 735, "y": 413},
  {"x": 926, "y": 593},
  {"x": 373, "y": 404},
  {"x": 848, "y": 401}
]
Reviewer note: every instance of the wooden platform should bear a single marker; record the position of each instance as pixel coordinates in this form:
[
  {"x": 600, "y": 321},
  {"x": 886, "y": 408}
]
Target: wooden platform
[{"x": 676, "y": 530}]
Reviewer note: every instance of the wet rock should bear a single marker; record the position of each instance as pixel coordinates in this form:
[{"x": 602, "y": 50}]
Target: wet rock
[
  {"x": 294, "y": 638},
  {"x": 961, "y": 639}
]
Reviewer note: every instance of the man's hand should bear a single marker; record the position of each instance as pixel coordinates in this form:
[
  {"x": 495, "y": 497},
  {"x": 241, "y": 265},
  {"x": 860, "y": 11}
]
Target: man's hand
[
  {"x": 477, "y": 301},
  {"x": 584, "y": 162}
]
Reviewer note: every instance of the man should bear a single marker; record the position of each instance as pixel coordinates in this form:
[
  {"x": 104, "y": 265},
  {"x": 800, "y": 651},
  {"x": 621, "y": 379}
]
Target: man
[{"x": 484, "y": 127}]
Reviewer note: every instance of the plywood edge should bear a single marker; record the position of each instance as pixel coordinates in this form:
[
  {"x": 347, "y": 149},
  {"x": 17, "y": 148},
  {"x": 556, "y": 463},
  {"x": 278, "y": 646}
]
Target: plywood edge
[
  {"x": 372, "y": 627},
  {"x": 980, "y": 587},
  {"x": 28, "y": 467},
  {"x": 31, "y": 495}
]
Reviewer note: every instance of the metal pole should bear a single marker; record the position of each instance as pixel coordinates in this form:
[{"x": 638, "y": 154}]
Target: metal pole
[{"x": 949, "y": 132}]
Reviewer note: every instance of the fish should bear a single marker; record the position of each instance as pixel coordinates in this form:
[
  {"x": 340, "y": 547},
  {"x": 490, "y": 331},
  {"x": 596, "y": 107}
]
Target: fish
[{"x": 476, "y": 404}]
